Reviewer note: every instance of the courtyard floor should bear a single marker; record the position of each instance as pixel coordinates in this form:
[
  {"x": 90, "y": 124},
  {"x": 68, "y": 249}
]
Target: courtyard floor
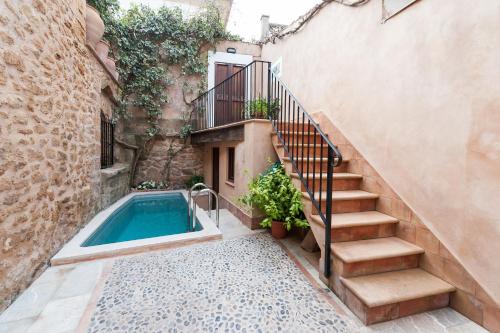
[{"x": 247, "y": 282}]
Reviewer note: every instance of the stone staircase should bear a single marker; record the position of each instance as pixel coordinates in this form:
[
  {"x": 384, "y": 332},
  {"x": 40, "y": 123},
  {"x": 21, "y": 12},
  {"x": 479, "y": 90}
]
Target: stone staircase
[{"x": 375, "y": 273}]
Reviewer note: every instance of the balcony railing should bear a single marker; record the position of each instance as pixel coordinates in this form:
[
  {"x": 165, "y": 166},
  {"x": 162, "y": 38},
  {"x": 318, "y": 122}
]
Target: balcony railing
[
  {"x": 242, "y": 96},
  {"x": 255, "y": 92}
]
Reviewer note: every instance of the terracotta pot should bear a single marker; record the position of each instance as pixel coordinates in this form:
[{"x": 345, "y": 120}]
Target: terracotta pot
[
  {"x": 278, "y": 230},
  {"x": 95, "y": 26},
  {"x": 110, "y": 63},
  {"x": 102, "y": 49}
]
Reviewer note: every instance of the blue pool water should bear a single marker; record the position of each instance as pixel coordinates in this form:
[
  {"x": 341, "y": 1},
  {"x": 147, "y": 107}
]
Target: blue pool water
[{"x": 144, "y": 216}]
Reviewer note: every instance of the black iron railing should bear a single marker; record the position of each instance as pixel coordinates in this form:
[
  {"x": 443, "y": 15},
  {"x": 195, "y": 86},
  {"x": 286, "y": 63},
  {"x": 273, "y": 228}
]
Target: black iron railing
[
  {"x": 312, "y": 155},
  {"x": 242, "y": 96},
  {"x": 107, "y": 141},
  {"x": 255, "y": 92}
]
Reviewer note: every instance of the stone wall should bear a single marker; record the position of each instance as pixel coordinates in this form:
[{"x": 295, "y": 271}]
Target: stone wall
[
  {"x": 186, "y": 163},
  {"x": 114, "y": 183},
  {"x": 50, "y": 100}
]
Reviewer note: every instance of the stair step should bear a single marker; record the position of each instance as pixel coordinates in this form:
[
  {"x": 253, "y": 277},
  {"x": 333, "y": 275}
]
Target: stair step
[
  {"x": 374, "y": 249},
  {"x": 310, "y": 159},
  {"x": 349, "y": 201},
  {"x": 336, "y": 175},
  {"x": 299, "y": 133},
  {"x": 358, "y": 219},
  {"x": 342, "y": 181},
  {"x": 345, "y": 195},
  {"x": 360, "y": 225},
  {"x": 394, "y": 287},
  {"x": 316, "y": 162}
]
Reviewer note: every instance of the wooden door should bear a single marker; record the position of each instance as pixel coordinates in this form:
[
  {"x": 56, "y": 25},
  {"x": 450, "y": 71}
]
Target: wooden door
[
  {"x": 230, "y": 95},
  {"x": 215, "y": 172}
]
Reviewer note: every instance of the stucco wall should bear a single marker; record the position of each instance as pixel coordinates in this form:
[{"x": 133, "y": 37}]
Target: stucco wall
[
  {"x": 252, "y": 157},
  {"x": 50, "y": 102},
  {"x": 419, "y": 98}
]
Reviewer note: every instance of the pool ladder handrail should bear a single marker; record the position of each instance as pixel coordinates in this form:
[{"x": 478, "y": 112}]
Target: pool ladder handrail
[
  {"x": 194, "y": 187},
  {"x": 191, "y": 224},
  {"x": 210, "y": 193}
]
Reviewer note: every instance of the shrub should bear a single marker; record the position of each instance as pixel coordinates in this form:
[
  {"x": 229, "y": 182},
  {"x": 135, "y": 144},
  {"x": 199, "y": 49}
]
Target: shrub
[
  {"x": 151, "y": 185},
  {"x": 274, "y": 193},
  {"x": 194, "y": 180}
]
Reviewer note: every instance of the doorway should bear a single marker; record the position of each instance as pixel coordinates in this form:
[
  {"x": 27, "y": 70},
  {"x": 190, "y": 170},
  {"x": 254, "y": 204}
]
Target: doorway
[{"x": 230, "y": 95}]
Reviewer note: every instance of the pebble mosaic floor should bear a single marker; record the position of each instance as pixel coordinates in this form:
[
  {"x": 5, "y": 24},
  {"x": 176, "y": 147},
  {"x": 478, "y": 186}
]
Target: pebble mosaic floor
[{"x": 247, "y": 284}]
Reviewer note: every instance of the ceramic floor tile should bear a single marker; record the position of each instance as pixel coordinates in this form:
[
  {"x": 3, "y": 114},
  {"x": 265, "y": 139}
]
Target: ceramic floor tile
[
  {"x": 30, "y": 303},
  {"x": 81, "y": 280},
  {"x": 60, "y": 315},
  {"x": 17, "y": 326}
]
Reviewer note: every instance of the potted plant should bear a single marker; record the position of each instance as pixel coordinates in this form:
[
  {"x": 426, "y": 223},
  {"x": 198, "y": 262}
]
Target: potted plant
[
  {"x": 260, "y": 109},
  {"x": 274, "y": 193}
]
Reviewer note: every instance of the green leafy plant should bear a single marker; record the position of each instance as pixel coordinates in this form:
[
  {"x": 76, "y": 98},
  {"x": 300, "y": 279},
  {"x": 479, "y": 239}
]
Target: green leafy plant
[
  {"x": 108, "y": 9},
  {"x": 259, "y": 108},
  {"x": 147, "y": 45},
  {"x": 151, "y": 185},
  {"x": 195, "y": 179},
  {"x": 274, "y": 193}
]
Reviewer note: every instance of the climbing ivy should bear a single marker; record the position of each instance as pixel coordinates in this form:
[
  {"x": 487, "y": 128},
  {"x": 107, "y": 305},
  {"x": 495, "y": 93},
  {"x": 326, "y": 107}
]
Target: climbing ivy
[{"x": 148, "y": 42}]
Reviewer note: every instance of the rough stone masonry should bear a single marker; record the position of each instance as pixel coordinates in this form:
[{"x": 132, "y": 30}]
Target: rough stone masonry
[{"x": 50, "y": 91}]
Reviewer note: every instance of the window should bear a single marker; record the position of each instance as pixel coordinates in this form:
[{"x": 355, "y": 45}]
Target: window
[
  {"x": 230, "y": 164},
  {"x": 107, "y": 141}
]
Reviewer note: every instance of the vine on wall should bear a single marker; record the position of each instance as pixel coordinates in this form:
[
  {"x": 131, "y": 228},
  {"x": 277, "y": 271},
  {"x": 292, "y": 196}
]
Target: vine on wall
[{"x": 147, "y": 43}]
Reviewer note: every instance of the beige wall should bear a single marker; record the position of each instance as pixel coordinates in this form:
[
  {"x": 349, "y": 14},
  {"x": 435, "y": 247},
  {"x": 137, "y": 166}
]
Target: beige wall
[
  {"x": 50, "y": 102},
  {"x": 251, "y": 158},
  {"x": 419, "y": 98},
  {"x": 241, "y": 48}
]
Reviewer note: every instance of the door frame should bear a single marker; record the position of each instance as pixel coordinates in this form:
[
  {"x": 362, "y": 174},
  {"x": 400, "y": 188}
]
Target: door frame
[
  {"x": 215, "y": 172},
  {"x": 227, "y": 58}
]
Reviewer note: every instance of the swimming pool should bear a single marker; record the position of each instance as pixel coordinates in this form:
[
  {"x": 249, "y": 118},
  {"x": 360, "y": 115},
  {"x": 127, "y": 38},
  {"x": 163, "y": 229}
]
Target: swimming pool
[
  {"x": 142, "y": 217},
  {"x": 138, "y": 222}
]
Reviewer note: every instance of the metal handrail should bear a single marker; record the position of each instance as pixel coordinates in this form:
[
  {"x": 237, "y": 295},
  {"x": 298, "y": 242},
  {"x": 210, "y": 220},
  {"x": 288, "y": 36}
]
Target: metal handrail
[
  {"x": 231, "y": 77},
  {"x": 289, "y": 122},
  {"x": 210, "y": 192},
  {"x": 241, "y": 96},
  {"x": 195, "y": 186}
]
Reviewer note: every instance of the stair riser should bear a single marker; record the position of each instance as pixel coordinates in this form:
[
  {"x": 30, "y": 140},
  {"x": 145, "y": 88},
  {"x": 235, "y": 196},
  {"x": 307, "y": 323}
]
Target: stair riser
[
  {"x": 388, "y": 312},
  {"x": 374, "y": 266},
  {"x": 304, "y": 151},
  {"x": 351, "y": 206},
  {"x": 302, "y": 165},
  {"x": 348, "y": 206},
  {"x": 338, "y": 184},
  {"x": 308, "y": 138},
  {"x": 363, "y": 232},
  {"x": 297, "y": 127}
]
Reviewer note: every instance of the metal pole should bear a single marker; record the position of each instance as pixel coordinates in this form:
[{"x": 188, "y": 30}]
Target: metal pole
[{"x": 328, "y": 222}]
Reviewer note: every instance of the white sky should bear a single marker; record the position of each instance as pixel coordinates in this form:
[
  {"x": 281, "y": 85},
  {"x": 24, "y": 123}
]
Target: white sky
[{"x": 244, "y": 19}]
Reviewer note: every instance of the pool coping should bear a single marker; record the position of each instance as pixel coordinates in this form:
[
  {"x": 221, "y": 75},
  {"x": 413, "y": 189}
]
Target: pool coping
[{"x": 73, "y": 252}]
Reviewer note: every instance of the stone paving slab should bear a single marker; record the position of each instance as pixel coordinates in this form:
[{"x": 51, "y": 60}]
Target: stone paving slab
[{"x": 247, "y": 284}]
